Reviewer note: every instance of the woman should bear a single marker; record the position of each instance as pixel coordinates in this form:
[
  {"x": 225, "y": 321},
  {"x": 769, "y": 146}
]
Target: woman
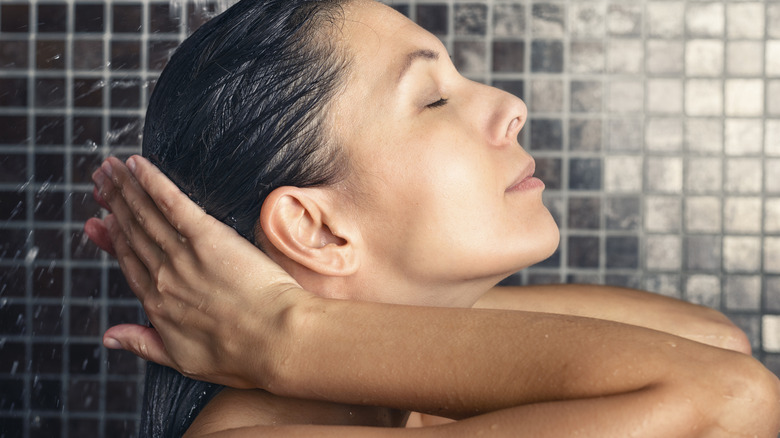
[{"x": 338, "y": 138}]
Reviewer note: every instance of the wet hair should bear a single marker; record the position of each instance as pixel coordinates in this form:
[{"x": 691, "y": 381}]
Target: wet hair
[{"x": 240, "y": 110}]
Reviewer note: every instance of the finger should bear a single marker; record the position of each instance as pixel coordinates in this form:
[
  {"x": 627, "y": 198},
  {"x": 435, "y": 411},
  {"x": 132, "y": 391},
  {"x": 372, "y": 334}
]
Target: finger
[
  {"x": 97, "y": 232},
  {"x": 136, "y": 273},
  {"x": 187, "y": 218},
  {"x": 142, "y": 341},
  {"x": 96, "y": 194},
  {"x": 144, "y": 247}
]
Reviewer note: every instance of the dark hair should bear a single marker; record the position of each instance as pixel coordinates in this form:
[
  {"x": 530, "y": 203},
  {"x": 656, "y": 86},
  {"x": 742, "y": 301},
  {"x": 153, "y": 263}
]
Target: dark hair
[{"x": 240, "y": 110}]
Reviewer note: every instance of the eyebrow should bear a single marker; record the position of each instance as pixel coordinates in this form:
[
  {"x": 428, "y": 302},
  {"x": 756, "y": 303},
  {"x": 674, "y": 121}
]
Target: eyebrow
[{"x": 423, "y": 54}]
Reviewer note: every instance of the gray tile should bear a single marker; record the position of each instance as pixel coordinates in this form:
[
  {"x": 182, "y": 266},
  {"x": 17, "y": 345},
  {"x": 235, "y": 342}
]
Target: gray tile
[
  {"x": 743, "y": 292},
  {"x": 772, "y": 137},
  {"x": 546, "y": 134},
  {"x": 665, "y": 57},
  {"x": 583, "y": 251},
  {"x": 704, "y": 135},
  {"x": 742, "y": 215},
  {"x": 704, "y": 97},
  {"x": 703, "y": 214},
  {"x": 469, "y": 57},
  {"x": 625, "y": 55},
  {"x": 585, "y": 134},
  {"x": 508, "y": 56},
  {"x": 470, "y": 19},
  {"x": 625, "y": 134},
  {"x": 587, "y": 19},
  {"x": 741, "y": 253},
  {"x": 624, "y": 19},
  {"x": 626, "y": 96},
  {"x": 743, "y": 137},
  {"x": 772, "y": 255},
  {"x": 546, "y": 95},
  {"x": 622, "y": 252},
  {"x": 704, "y": 57},
  {"x": 665, "y": 95},
  {"x": 705, "y": 19},
  {"x": 663, "y": 214},
  {"x": 586, "y": 96},
  {"x": 744, "y": 97},
  {"x": 548, "y": 20},
  {"x": 547, "y": 56},
  {"x": 509, "y": 20},
  {"x": 586, "y": 57},
  {"x": 665, "y": 19},
  {"x": 664, "y": 134},
  {"x": 703, "y": 290},
  {"x": 744, "y": 58},
  {"x": 703, "y": 175},
  {"x": 745, "y": 20},
  {"x": 772, "y": 215},
  {"x": 585, "y": 174},
  {"x": 773, "y": 97},
  {"x": 664, "y": 174},
  {"x": 743, "y": 175},
  {"x": 772, "y": 293},
  {"x": 773, "y": 19},
  {"x": 773, "y": 58},
  {"x": 703, "y": 253},
  {"x": 667, "y": 285},
  {"x": 584, "y": 213},
  {"x": 772, "y": 175},
  {"x": 623, "y": 174},
  {"x": 751, "y": 326},
  {"x": 622, "y": 213},
  {"x": 663, "y": 252}
]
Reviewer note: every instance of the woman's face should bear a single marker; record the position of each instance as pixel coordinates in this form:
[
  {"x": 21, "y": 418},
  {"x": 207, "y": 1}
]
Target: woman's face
[{"x": 447, "y": 203}]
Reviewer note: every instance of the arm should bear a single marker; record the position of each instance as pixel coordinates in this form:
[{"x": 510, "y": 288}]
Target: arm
[
  {"x": 628, "y": 306},
  {"x": 294, "y": 344}
]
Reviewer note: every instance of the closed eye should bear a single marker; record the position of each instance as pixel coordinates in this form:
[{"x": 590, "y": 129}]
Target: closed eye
[{"x": 439, "y": 103}]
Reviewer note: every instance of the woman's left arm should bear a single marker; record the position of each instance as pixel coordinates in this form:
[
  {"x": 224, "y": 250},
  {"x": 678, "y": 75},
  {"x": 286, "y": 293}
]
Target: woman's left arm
[{"x": 628, "y": 306}]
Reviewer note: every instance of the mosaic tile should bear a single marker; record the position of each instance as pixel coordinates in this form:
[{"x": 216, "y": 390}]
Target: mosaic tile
[
  {"x": 622, "y": 252},
  {"x": 773, "y": 97},
  {"x": 704, "y": 57},
  {"x": 703, "y": 214},
  {"x": 704, "y": 135},
  {"x": 665, "y": 57},
  {"x": 587, "y": 19},
  {"x": 704, "y": 97},
  {"x": 89, "y": 18},
  {"x": 744, "y": 97},
  {"x": 741, "y": 253},
  {"x": 583, "y": 252},
  {"x": 625, "y": 134},
  {"x": 705, "y": 19},
  {"x": 665, "y": 19},
  {"x": 663, "y": 214},
  {"x": 665, "y": 96},
  {"x": 745, "y": 20},
  {"x": 546, "y": 134},
  {"x": 508, "y": 56},
  {"x": 623, "y": 174},
  {"x": 548, "y": 20},
  {"x": 772, "y": 137},
  {"x": 772, "y": 58},
  {"x": 433, "y": 18},
  {"x": 584, "y": 213},
  {"x": 547, "y": 56},
  {"x": 585, "y": 135},
  {"x": 743, "y": 175},
  {"x": 585, "y": 174},
  {"x": 742, "y": 215},
  {"x": 664, "y": 174},
  {"x": 14, "y": 55},
  {"x": 664, "y": 134},
  {"x": 128, "y": 18},
  {"x": 743, "y": 137},
  {"x": 772, "y": 215},
  {"x": 703, "y": 290},
  {"x": 625, "y": 56},
  {"x": 663, "y": 252},
  {"x": 743, "y": 292},
  {"x": 622, "y": 213},
  {"x": 509, "y": 20},
  {"x": 663, "y": 284},
  {"x": 470, "y": 19},
  {"x": 703, "y": 175},
  {"x": 772, "y": 175},
  {"x": 626, "y": 96},
  {"x": 745, "y": 58},
  {"x": 469, "y": 57},
  {"x": 703, "y": 253},
  {"x": 586, "y": 96},
  {"x": 772, "y": 290},
  {"x": 770, "y": 327},
  {"x": 546, "y": 96},
  {"x": 772, "y": 254},
  {"x": 15, "y": 18},
  {"x": 586, "y": 57},
  {"x": 624, "y": 19},
  {"x": 773, "y": 19}
]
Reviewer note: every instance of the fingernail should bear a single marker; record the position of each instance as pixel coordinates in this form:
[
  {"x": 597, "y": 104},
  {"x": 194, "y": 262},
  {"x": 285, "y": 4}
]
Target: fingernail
[
  {"x": 112, "y": 344},
  {"x": 99, "y": 177},
  {"x": 131, "y": 164},
  {"x": 107, "y": 168}
]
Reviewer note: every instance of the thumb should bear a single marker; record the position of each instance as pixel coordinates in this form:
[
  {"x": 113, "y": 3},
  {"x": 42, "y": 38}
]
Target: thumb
[{"x": 140, "y": 340}]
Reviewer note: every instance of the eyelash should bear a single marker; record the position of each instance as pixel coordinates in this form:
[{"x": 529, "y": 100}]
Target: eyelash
[{"x": 439, "y": 103}]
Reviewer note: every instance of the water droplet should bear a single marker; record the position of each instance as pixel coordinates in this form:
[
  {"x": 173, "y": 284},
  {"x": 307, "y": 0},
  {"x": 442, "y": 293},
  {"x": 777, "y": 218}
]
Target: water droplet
[{"x": 32, "y": 254}]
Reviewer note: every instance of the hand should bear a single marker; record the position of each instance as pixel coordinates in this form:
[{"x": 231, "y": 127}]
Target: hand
[{"x": 217, "y": 303}]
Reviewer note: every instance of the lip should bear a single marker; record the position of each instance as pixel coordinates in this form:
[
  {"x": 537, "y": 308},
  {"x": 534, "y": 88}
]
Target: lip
[{"x": 526, "y": 180}]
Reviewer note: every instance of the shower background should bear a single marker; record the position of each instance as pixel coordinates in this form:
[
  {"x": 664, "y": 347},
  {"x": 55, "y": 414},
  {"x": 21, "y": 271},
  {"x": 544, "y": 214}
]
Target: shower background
[{"x": 656, "y": 126}]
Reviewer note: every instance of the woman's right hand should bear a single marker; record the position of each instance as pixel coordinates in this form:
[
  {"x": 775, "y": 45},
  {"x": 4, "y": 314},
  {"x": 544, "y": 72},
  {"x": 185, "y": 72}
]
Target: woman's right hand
[{"x": 200, "y": 283}]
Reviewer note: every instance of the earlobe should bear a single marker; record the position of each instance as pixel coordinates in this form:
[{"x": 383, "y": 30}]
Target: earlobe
[{"x": 300, "y": 224}]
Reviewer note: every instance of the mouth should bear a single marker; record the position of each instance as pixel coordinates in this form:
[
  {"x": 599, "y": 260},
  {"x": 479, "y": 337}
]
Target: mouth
[{"x": 526, "y": 180}]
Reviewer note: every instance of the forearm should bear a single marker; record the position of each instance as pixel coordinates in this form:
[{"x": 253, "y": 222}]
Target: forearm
[
  {"x": 628, "y": 306},
  {"x": 451, "y": 362}
]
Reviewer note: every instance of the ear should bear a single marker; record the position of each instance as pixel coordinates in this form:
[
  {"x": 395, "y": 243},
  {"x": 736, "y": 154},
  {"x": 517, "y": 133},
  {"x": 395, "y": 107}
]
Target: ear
[{"x": 300, "y": 223}]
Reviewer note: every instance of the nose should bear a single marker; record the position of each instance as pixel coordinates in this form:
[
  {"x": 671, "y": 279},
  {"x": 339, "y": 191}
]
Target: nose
[{"x": 504, "y": 115}]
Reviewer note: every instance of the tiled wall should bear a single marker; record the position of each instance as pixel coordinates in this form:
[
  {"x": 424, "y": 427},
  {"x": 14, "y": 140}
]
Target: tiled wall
[{"x": 655, "y": 124}]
